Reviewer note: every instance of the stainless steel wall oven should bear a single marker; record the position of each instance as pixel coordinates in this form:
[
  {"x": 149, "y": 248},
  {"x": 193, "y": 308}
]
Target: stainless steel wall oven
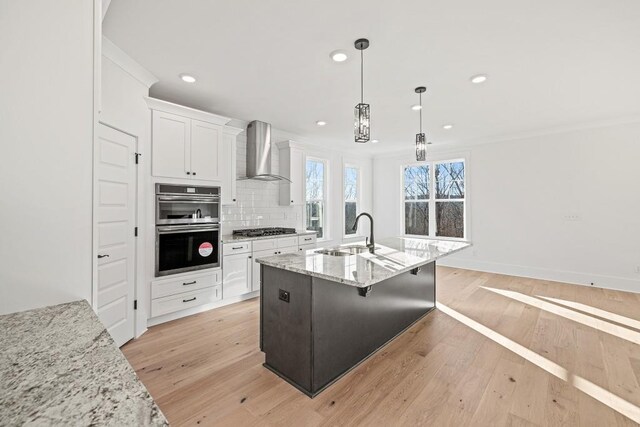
[{"x": 187, "y": 228}]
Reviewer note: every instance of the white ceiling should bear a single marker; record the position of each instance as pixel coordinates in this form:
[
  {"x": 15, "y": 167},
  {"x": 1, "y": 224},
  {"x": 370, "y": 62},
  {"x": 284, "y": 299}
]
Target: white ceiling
[{"x": 550, "y": 63}]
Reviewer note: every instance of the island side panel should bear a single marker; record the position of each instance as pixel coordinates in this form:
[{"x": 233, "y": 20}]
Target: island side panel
[
  {"x": 286, "y": 326},
  {"x": 348, "y": 327}
]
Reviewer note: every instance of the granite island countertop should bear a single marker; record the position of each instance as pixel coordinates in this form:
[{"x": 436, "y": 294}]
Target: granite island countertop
[
  {"x": 59, "y": 365},
  {"x": 229, "y": 238},
  {"x": 393, "y": 256}
]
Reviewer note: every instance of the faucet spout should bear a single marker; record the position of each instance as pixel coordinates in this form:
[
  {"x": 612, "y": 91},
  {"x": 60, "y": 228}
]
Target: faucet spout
[{"x": 372, "y": 243}]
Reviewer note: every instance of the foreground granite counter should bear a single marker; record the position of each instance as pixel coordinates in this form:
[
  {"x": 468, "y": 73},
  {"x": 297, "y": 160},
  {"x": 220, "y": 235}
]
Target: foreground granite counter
[
  {"x": 393, "y": 256},
  {"x": 60, "y": 366}
]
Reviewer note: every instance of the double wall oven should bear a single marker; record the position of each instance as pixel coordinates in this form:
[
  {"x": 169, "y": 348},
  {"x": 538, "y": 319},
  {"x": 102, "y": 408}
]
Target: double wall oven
[{"x": 187, "y": 228}]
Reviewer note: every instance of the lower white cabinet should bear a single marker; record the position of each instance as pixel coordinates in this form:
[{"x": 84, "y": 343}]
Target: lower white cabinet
[
  {"x": 182, "y": 291},
  {"x": 236, "y": 279},
  {"x": 303, "y": 248}
]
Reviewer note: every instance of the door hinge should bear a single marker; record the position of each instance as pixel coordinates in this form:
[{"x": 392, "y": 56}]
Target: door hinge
[
  {"x": 135, "y": 231},
  {"x": 135, "y": 304},
  {"x": 138, "y": 155}
]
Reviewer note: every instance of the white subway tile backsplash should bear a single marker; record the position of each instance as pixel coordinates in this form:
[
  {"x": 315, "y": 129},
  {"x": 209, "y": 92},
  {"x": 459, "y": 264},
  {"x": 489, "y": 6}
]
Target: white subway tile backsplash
[{"x": 257, "y": 201}]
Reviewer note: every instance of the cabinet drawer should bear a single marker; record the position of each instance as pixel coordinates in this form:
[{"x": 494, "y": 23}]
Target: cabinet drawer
[
  {"x": 266, "y": 244},
  {"x": 307, "y": 239},
  {"x": 185, "y": 300},
  {"x": 173, "y": 286},
  {"x": 236, "y": 248},
  {"x": 303, "y": 248},
  {"x": 285, "y": 242}
]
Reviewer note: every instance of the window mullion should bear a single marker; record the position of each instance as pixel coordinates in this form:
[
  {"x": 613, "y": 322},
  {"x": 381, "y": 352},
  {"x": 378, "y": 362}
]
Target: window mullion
[{"x": 432, "y": 197}]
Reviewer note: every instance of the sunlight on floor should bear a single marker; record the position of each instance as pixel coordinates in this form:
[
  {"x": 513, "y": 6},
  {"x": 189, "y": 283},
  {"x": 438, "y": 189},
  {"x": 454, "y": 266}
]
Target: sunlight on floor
[
  {"x": 601, "y": 325},
  {"x": 632, "y": 323},
  {"x": 613, "y": 401}
]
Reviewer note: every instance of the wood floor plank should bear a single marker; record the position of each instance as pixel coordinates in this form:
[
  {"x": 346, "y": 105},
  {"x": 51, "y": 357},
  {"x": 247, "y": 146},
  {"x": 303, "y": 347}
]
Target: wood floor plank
[{"x": 207, "y": 369}]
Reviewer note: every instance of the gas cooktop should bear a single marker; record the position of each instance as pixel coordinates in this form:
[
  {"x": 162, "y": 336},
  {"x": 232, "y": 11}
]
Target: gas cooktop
[{"x": 267, "y": 231}]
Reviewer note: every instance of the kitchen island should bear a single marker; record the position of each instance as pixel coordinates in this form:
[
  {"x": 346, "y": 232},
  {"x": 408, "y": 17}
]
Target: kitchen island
[{"x": 324, "y": 311}]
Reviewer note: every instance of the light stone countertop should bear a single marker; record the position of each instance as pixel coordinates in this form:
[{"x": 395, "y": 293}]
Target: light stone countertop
[
  {"x": 229, "y": 238},
  {"x": 393, "y": 256},
  {"x": 60, "y": 366}
]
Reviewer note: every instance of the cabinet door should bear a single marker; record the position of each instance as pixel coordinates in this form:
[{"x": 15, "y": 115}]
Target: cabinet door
[
  {"x": 303, "y": 248},
  {"x": 297, "y": 176},
  {"x": 255, "y": 278},
  {"x": 170, "y": 146},
  {"x": 236, "y": 278},
  {"x": 229, "y": 169},
  {"x": 206, "y": 150}
]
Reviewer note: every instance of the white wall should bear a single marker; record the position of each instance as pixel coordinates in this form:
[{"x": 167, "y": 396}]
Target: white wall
[
  {"x": 46, "y": 134},
  {"x": 521, "y": 192}
]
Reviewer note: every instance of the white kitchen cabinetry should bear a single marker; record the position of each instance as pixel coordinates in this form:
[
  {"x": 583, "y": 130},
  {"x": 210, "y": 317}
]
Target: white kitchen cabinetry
[
  {"x": 229, "y": 165},
  {"x": 171, "y": 136},
  {"x": 206, "y": 151},
  {"x": 182, "y": 291},
  {"x": 292, "y": 167},
  {"x": 236, "y": 278},
  {"x": 186, "y": 143},
  {"x": 271, "y": 247}
]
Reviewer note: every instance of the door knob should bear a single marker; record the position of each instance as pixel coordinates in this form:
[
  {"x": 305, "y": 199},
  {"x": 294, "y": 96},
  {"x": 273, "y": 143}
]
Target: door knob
[{"x": 103, "y": 256}]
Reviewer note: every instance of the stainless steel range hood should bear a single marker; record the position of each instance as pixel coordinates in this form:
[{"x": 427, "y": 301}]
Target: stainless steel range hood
[{"x": 259, "y": 153}]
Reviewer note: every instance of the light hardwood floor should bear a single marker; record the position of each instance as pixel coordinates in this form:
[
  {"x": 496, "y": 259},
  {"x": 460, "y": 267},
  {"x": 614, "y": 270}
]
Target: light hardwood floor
[{"x": 496, "y": 352}]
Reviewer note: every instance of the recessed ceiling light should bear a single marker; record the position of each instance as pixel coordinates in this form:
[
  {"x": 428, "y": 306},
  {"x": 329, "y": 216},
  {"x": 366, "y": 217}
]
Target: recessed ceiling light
[
  {"x": 479, "y": 78},
  {"x": 374, "y": 141},
  {"x": 447, "y": 126},
  {"x": 321, "y": 123},
  {"x": 416, "y": 107},
  {"x": 338, "y": 55},
  {"x": 187, "y": 78}
]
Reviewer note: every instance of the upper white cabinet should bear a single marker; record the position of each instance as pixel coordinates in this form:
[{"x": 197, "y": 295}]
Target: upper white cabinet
[
  {"x": 206, "y": 151},
  {"x": 229, "y": 168},
  {"x": 292, "y": 167},
  {"x": 171, "y": 136},
  {"x": 187, "y": 143}
]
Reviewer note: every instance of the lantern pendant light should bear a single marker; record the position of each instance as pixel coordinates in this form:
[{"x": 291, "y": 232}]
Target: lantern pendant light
[
  {"x": 362, "y": 110},
  {"x": 421, "y": 144}
]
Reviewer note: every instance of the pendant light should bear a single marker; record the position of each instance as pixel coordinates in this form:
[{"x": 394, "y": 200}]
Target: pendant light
[
  {"x": 421, "y": 144},
  {"x": 362, "y": 111}
]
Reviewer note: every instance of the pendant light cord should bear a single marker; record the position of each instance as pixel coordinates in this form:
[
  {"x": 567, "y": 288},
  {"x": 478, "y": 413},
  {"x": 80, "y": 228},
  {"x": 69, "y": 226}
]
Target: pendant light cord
[
  {"x": 362, "y": 76},
  {"x": 420, "y": 112}
]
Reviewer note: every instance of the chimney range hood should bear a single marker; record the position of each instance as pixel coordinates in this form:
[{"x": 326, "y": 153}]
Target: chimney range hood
[{"x": 259, "y": 153}]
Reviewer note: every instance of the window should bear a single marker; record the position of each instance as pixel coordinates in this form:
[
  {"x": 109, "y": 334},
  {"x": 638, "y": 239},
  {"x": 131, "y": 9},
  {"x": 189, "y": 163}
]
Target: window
[
  {"x": 316, "y": 196},
  {"x": 434, "y": 196},
  {"x": 351, "y": 198}
]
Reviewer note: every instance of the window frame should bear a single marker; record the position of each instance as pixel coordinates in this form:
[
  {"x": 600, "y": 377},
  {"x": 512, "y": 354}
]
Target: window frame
[
  {"x": 325, "y": 193},
  {"x": 358, "y": 198},
  {"x": 432, "y": 199}
]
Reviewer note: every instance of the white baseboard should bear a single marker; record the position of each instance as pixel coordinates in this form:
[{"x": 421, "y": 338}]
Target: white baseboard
[
  {"x": 586, "y": 279},
  {"x": 195, "y": 310}
]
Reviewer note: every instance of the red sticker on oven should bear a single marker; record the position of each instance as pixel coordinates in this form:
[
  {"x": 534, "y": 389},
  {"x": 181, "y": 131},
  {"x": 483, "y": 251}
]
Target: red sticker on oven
[{"x": 205, "y": 249}]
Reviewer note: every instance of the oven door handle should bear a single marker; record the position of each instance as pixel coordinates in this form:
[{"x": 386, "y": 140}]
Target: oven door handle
[
  {"x": 187, "y": 229},
  {"x": 195, "y": 199}
]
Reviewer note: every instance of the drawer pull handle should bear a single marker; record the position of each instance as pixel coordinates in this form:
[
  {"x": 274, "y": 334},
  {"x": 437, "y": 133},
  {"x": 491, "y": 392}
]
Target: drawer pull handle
[
  {"x": 190, "y": 299},
  {"x": 237, "y": 247},
  {"x": 190, "y": 283},
  {"x": 307, "y": 239}
]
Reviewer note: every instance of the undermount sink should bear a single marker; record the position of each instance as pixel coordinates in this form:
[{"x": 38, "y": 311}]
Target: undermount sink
[{"x": 344, "y": 250}]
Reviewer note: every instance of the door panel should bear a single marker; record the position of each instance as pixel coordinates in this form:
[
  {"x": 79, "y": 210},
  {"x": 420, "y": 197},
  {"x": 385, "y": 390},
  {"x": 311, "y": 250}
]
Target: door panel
[
  {"x": 171, "y": 135},
  {"x": 115, "y": 216},
  {"x": 206, "y": 150},
  {"x": 237, "y": 274}
]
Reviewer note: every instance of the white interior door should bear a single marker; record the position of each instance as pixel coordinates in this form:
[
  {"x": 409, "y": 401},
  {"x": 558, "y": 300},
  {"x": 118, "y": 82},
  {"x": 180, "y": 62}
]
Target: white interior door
[{"x": 115, "y": 216}]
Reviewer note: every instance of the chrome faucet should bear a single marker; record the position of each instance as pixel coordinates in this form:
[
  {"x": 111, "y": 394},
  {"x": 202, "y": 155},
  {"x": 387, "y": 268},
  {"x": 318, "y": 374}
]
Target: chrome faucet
[{"x": 372, "y": 244}]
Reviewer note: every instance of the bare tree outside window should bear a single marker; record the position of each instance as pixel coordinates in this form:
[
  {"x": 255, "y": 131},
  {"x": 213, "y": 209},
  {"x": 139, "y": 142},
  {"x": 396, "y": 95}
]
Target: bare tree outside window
[
  {"x": 350, "y": 199},
  {"x": 416, "y": 196},
  {"x": 449, "y": 199},
  {"x": 315, "y": 181}
]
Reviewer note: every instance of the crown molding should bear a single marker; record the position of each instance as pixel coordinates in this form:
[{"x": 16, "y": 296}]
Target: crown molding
[
  {"x": 128, "y": 64},
  {"x": 181, "y": 110},
  {"x": 231, "y": 130}
]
